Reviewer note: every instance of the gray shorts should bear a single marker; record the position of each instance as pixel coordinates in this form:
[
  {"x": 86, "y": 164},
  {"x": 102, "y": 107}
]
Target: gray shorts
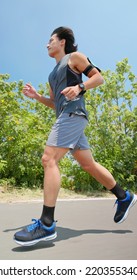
[{"x": 68, "y": 132}]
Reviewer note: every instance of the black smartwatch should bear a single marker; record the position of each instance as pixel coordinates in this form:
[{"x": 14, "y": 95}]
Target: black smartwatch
[{"x": 82, "y": 87}]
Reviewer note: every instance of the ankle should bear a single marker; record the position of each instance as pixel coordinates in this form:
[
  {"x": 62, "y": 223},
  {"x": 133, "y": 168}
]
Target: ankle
[
  {"x": 118, "y": 192},
  {"x": 47, "y": 217}
]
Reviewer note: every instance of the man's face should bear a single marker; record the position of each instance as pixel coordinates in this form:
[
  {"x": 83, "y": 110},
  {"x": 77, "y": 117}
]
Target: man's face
[{"x": 54, "y": 45}]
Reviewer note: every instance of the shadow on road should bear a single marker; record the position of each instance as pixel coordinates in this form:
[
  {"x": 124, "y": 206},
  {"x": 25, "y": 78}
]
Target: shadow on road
[{"x": 67, "y": 233}]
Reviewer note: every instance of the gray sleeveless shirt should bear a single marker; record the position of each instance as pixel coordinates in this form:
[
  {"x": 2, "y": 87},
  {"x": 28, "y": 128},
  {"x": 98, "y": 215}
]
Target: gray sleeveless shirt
[{"x": 61, "y": 77}]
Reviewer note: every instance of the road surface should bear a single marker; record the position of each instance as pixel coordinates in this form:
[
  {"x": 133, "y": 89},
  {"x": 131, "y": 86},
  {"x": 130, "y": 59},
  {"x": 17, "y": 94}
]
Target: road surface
[{"x": 85, "y": 227}]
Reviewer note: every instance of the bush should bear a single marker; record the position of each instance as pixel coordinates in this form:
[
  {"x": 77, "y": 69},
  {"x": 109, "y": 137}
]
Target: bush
[{"x": 112, "y": 132}]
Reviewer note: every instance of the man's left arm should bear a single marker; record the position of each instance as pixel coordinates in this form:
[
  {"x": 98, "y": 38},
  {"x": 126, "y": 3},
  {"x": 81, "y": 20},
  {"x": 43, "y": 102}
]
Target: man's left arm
[{"x": 80, "y": 63}]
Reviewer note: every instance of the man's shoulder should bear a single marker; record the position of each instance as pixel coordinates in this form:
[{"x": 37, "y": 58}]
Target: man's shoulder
[
  {"x": 79, "y": 61},
  {"x": 77, "y": 55}
]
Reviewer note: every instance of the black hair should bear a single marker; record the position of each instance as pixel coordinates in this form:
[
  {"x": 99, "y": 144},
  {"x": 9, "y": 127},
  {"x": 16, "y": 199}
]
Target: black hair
[{"x": 67, "y": 34}]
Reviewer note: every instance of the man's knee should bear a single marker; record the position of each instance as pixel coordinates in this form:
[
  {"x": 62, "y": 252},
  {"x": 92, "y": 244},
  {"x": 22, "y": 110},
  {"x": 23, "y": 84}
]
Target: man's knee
[
  {"x": 89, "y": 167},
  {"x": 86, "y": 167},
  {"x": 52, "y": 156},
  {"x": 47, "y": 159}
]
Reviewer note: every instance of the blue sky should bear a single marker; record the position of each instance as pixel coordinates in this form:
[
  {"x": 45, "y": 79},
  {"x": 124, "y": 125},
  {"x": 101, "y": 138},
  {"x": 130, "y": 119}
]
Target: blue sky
[{"x": 105, "y": 30}]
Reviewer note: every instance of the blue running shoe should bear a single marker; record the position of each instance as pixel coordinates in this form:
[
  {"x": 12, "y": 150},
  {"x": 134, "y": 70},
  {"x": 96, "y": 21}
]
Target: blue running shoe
[
  {"x": 123, "y": 207},
  {"x": 35, "y": 233}
]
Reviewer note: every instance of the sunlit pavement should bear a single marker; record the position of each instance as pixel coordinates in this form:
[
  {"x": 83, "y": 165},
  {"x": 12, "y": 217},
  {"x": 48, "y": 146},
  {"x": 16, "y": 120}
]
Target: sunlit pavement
[{"x": 85, "y": 228}]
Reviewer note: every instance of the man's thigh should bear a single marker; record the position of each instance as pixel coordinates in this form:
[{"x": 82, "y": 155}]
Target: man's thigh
[{"x": 54, "y": 153}]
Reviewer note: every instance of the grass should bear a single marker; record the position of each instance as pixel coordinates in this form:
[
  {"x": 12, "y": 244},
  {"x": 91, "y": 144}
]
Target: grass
[{"x": 13, "y": 194}]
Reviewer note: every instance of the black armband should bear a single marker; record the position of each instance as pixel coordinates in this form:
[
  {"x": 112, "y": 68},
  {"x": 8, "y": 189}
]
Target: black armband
[{"x": 89, "y": 68}]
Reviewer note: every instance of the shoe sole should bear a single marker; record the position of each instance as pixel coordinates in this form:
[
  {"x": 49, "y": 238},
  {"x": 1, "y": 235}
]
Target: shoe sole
[
  {"x": 126, "y": 213},
  {"x": 33, "y": 242}
]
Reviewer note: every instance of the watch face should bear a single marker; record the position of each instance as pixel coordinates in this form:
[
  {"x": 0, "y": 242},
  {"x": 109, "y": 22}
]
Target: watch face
[{"x": 81, "y": 86}]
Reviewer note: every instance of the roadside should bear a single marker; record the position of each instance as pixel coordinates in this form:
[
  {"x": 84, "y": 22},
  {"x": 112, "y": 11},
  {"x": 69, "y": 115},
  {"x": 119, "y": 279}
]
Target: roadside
[{"x": 11, "y": 195}]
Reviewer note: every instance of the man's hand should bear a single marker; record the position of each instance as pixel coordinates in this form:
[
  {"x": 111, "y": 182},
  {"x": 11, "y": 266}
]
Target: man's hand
[
  {"x": 71, "y": 92},
  {"x": 30, "y": 91}
]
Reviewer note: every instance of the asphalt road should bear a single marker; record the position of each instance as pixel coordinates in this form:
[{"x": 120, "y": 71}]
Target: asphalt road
[{"x": 86, "y": 231}]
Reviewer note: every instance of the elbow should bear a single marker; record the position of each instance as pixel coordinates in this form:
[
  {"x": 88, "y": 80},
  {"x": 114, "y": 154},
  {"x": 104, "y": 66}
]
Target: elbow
[{"x": 101, "y": 80}]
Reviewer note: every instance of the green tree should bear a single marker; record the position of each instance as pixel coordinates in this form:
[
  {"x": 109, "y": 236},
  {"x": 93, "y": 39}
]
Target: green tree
[
  {"x": 24, "y": 126},
  {"x": 113, "y": 123},
  {"x": 112, "y": 129},
  {"x": 112, "y": 132}
]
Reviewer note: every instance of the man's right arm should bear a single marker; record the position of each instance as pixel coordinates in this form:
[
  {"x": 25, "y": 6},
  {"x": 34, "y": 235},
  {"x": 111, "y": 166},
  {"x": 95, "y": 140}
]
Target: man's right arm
[{"x": 30, "y": 91}]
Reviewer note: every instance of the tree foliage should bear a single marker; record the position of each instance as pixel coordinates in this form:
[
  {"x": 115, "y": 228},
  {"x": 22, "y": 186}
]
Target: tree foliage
[
  {"x": 112, "y": 132},
  {"x": 24, "y": 127},
  {"x": 113, "y": 123}
]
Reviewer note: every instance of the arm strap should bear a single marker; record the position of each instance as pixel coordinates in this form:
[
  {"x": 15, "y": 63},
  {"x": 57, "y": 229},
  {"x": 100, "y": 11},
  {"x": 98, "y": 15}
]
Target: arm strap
[{"x": 89, "y": 68}]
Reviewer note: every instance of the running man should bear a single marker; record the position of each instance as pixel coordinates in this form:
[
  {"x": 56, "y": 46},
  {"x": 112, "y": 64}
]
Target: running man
[{"x": 67, "y": 92}]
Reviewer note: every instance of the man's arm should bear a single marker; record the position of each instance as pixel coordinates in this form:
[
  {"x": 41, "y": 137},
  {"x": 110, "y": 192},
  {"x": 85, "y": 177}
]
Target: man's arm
[
  {"x": 78, "y": 62},
  {"x": 31, "y": 92}
]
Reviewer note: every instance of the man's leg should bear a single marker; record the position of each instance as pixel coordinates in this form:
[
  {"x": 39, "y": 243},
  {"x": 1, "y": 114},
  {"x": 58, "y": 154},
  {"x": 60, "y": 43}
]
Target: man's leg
[
  {"x": 124, "y": 199},
  {"x": 44, "y": 229},
  {"x": 52, "y": 181},
  {"x": 100, "y": 173}
]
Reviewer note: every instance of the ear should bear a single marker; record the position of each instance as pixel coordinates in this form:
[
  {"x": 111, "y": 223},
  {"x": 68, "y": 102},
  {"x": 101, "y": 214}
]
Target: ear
[{"x": 63, "y": 41}]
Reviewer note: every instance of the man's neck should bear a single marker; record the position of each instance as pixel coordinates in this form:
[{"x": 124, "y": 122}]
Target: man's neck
[{"x": 59, "y": 56}]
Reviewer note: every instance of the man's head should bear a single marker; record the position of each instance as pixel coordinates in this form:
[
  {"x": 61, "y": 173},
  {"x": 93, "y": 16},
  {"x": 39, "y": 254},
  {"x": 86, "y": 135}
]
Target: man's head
[{"x": 66, "y": 36}]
